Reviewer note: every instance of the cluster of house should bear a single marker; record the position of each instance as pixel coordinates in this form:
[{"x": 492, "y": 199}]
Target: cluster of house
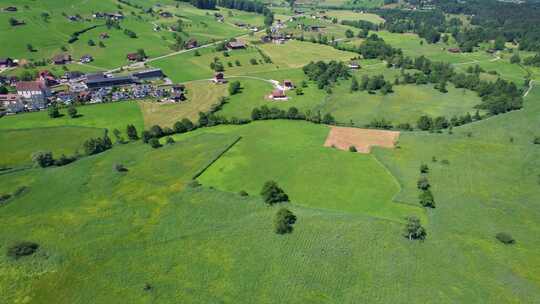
[
  {"x": 113, "y": 16},
  {"x": 279, "y": 92},
  {"x": 92, "y": 88}
]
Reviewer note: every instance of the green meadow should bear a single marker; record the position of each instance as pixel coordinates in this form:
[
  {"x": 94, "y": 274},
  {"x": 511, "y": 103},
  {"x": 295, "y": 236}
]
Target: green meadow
[
  {"x": 293, "y": 154},
  {"x": 405, "y": 105},
  {"x": 18, "y": 145},
  {"x": 106, "y": 116}
]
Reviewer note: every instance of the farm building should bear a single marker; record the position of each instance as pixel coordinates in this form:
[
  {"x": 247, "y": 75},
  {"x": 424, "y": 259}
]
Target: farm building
[
  {"x": 148, "y": 74},
  {"x": 219, "y": 77},
  {"x": 354, "y": 65},
  {"x": 61, "y": 59},
  {"x": 166, "y": 14},
  {"x": 191, "y": 43},
  {"x": 278, "y": 95},
  {"x": 86, "y": 59},
  {"x": 288, "y": 84},
  {"x": 12, "y": 102},
  {"x": 35, "y": 92},
  {"x": 135, "y": 57},
  {"x": 235, "y": 45},
  {"x": 96, "y": 81},
  {"x": 6, "y": 62}
]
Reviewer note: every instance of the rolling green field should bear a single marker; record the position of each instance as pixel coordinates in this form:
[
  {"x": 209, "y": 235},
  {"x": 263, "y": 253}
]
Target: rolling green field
[
  {"x": 108, "y": 115},
  {"x": 18, "y": 145},
  {"x": 271, "y": 151},
  {"x": 174, "y": 227},
  {"x": 199, "y": 24},
  {"x": 405, "y": 105}
]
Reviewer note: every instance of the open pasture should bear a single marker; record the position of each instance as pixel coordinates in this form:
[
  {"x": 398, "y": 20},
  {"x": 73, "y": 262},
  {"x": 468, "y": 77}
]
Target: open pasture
[
  {"x": 405, "y": 105},
  {"x": 271, "y": 150},
  {"x": 105, "y": 116},
  {"x": 18, "y": 145}
]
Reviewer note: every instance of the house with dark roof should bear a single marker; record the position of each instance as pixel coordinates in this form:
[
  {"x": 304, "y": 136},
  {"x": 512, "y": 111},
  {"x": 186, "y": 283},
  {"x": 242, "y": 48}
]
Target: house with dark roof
[
  {"x": 61, "y": 59},
  {"x": 235, "y": 45},
  {"x": 96, "y": 81},
  {"x": 191, "y": 43},
  {"x": 219, "y": 78},
  {"x": 6, "y": 62},
  {"x": 86, "y": 59},
  {"x": 149, "y": 74}
]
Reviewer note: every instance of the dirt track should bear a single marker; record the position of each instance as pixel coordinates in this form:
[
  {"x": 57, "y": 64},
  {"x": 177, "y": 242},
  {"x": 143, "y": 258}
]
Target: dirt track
[{"x": 363, "y": 139}]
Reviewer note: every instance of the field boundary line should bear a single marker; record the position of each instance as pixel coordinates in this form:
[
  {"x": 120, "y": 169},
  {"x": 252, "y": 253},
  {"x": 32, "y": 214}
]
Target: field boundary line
[{"x": 216, "y": 158}]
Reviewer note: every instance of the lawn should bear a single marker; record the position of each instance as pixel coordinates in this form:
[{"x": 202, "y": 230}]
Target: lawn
[
  {"x": 350, "y": 15},
  {"x": 405, "y": 105},
  {"x": 18, "y": 145},
  {"x": 295, "y": 54},
  {"x": 201, "y": 95},
  {"x": 273, "y": 150},
  {"x": 255, "y": 94},
  {"x": 107, "y": 115}
]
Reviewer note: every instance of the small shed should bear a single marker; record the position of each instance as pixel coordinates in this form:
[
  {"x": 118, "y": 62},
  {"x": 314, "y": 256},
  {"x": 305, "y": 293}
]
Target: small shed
[
  {"x": 61, "y": 59},
  {"x": 278, "y": 95}
]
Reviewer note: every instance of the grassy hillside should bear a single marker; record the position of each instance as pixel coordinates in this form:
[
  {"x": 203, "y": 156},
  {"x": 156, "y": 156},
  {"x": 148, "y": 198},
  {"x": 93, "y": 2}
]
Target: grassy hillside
[
  {"x": 273, "y": 151},
  {"x": 405, "y": 105},
  {"x": 18, "y": 145},
  {"x": 108, "y": 115}
]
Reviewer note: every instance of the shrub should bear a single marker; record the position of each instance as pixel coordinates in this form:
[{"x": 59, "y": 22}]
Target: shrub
[
  {"x": 352, "y": 149},
  {"x": 536, "y": 140},
  {"x": 505, "y": 238},
  {"x": 234, "y": 87},
  {"x": 132, "y": 132},
  {"x": 53, "y": 111},
  {"x": 423, "y": 183},
  {"x": 272, "y": 193},
  {"x": 154, "y": 143},
  {"x": 414, "y": 230},
  {"x": 72, "y": 111},
  {"x": 170, "y": 140},
  {"x": 43, "y": 159},
  {"x": 120, "y": 168},
  {"x": 283, "y": 221},
  {"x": 424, "y": 168},
  {"x": 64, "y": 160},
  {"x": 243, "y": 193},
  {"x": 426, "y": 199},
  {"x": 22, "y": 249}
]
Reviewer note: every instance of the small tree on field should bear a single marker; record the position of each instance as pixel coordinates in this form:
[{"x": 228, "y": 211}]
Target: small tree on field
[
  {"x": 354, "y": 85},
  {"x": 352, "y": 149},
  {"x": 131, "y": 132},
  {"x": 505, "y": 238},
  {"x": 414, "y": 230},
  {"x": 423, "y": 183},
  {"x": 283, "y": 221},
  {"x": 273, "y": 194},
  {"x": 234, "y": 87},
  {"x": 22, "y": 249},
  {"x": 424, "y": 168},
  {"x": 118, "y": 136},
  {"x": 146, "y": 136},
  {"x": 53, "y": 111},
  {"x": 426, "y": 199},
  {"x": 43, "y": 159},
  {"x": 154, "y": 143},
  {"x": 72, "y": 111},
  {"x": 169, "y": 140}
]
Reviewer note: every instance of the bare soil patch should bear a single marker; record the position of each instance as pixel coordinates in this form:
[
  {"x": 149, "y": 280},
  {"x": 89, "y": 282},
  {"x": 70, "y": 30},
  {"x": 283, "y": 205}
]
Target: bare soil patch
[{"x": 363, "y": 139}]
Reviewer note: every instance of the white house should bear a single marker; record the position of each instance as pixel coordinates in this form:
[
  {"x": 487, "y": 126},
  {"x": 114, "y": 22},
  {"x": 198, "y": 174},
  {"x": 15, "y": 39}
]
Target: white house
[{"x": 34, "y": 92}]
